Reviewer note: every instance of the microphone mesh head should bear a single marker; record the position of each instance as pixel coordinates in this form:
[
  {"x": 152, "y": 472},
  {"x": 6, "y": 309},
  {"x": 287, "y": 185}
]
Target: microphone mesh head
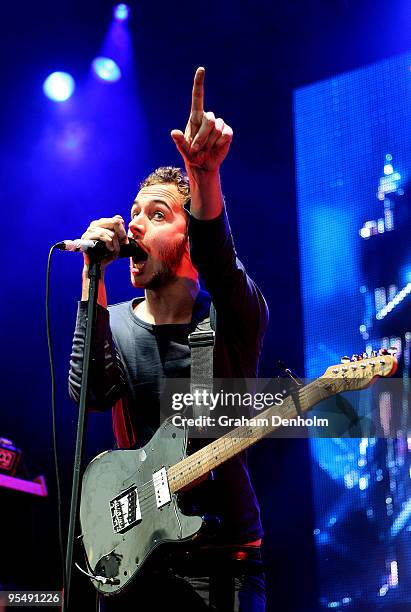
[{"x": 132, "y": 249}]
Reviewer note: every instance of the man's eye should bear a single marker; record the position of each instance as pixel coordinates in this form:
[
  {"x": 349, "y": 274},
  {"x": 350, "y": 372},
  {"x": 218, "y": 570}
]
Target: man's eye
[{"x": 158, "y": 215}]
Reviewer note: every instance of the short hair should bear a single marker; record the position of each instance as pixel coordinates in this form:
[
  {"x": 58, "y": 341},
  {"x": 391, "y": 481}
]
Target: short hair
[{"x": 169, "y": 174}]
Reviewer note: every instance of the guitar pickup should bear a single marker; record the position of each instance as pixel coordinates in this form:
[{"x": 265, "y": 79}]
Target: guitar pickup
[
  {"x": 161, "y": 488},
  {"x": 125, "y": 510}
]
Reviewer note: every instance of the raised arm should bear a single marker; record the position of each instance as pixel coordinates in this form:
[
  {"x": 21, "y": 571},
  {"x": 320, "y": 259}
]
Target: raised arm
[{"x": 204, "y": 146}]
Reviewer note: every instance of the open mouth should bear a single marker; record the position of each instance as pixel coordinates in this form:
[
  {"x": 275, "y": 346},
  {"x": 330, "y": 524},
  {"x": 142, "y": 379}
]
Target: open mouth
[
  {"x": 138, "y": 258},
  {"x": 137, "y": 253}
]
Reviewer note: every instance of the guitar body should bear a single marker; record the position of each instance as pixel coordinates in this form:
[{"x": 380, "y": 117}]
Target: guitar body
[{"x": 125, "y": 514}]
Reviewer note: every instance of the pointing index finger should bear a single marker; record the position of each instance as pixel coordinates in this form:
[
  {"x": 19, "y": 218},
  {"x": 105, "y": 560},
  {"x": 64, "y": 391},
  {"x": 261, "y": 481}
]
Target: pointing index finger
[{"x": 197, "y": 100}]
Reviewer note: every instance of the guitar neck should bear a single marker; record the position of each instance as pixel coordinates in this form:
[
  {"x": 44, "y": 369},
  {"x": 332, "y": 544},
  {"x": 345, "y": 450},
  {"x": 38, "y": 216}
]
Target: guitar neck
[{"x": 220, "y": 450}]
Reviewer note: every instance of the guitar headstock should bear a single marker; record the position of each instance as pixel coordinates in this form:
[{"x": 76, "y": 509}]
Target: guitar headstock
[{"x": 358, "y": 372}]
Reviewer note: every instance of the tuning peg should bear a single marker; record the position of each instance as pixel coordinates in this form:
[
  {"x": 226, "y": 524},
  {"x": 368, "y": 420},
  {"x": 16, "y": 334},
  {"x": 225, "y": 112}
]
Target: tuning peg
[
  {"x": 383, "y": 351},
  {"x": 355, "y": 357},
  {"x": 364, "y": 355},
  {"x": 345, "y": 359},
  {"x": 392, "y": 350}
]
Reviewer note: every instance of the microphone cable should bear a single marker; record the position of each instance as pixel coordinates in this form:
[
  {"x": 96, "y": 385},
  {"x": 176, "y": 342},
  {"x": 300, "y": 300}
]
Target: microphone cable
[{"x": 54, "y": 426}]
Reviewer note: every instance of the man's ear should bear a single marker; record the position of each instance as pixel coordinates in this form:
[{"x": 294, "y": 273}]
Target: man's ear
[
  {"x": 187, "y": 249},
  {"x": 186, "y": 207}
]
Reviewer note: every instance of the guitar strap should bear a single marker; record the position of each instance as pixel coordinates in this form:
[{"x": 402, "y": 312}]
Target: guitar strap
[{"x": 201, "y": 342}]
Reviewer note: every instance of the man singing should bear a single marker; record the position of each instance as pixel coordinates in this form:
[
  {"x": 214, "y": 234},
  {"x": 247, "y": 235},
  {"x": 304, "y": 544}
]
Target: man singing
[{"x": 180, "y": 222}]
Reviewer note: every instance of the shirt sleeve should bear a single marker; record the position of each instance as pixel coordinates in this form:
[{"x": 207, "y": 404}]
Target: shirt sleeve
[
  {"x": 106, "y": 376},
  {"x": 240, "y": 306}
]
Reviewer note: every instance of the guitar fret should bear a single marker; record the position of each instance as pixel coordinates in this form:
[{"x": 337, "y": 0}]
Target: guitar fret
[{"x": 203, "y": 461}]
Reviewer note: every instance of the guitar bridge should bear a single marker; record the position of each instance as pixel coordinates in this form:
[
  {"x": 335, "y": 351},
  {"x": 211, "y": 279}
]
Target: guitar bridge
[{"x": 125, "y": 510}]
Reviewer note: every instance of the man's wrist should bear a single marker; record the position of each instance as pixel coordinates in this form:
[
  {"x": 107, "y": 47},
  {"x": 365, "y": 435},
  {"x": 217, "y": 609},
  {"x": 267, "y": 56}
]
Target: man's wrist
[
  {"x": 200, "y": 176},
  {"x": 206, "y": 195},
  {"x": 86, "y": 268},
  {"x": 102, "y": 296}
]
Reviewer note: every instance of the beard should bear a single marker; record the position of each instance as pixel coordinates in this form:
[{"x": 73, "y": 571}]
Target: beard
[{"x": 170, "y": 258}]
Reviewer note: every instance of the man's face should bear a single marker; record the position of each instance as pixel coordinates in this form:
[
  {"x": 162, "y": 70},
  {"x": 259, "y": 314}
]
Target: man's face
[{"x": 159, "y": 225}]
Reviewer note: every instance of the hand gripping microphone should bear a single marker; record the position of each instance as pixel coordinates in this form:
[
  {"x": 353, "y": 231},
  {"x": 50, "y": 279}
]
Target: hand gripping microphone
[{"x": 97, "y": 247}]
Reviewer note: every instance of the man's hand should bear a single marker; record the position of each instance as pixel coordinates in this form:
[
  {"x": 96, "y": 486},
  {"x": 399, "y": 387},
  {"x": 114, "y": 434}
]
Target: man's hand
[
  {"x": 111, "y": 231},
  {"x": 206, "y": 140}
]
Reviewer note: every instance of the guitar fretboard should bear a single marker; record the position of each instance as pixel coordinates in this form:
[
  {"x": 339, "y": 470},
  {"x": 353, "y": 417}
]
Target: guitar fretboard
[{"x": 220, "y": 450}]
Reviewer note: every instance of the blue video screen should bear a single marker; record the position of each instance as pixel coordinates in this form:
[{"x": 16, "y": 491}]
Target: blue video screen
[{"x": 353, "y": 171}]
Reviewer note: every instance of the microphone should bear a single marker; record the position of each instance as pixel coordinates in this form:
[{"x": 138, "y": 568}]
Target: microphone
[{"x": 97, "y": 247}]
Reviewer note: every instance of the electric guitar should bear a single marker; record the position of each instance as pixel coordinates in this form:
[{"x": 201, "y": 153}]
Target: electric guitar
[{"x": 129, "y": 503}]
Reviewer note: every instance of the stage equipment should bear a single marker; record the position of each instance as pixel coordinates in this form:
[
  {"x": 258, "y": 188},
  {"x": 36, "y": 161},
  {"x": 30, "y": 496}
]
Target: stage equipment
[
  {"x": 59, "y": 86},
  {"x": 9, "y": 457},
  {"x": 106, "y": 69},
  {"x": 121, "y": 12}
]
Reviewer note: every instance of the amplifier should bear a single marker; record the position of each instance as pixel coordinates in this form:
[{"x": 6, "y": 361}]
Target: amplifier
[{"x": 9, "y": 457}]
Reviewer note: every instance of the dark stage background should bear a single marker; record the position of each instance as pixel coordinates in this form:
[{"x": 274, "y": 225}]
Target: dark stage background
[{"x": 65, "y": 164}]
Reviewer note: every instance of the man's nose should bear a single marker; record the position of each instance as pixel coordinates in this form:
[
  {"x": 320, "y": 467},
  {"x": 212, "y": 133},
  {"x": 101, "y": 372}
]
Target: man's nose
[{"x": 137, "y": 227}]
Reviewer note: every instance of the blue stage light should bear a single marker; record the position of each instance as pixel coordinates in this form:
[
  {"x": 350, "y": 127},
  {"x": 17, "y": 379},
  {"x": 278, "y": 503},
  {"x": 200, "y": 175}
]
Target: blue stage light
[
  {"x": 121, "y": 12},
  {"x": 59, "y": 86},
  {"x": 106, "y": 69}
]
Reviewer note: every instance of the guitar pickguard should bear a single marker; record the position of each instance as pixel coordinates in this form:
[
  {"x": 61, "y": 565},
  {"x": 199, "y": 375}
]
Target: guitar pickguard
[{"x": 127, "y": 509}]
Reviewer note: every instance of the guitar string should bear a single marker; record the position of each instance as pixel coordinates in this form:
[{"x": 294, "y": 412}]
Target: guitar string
[
  {"x": 305, "y": 391},
  {"x": 305, "y": 395}
]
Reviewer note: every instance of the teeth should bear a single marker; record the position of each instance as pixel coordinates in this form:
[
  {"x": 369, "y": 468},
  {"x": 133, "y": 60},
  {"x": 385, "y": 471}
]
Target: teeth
[{"x": 138, "y": 267}]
